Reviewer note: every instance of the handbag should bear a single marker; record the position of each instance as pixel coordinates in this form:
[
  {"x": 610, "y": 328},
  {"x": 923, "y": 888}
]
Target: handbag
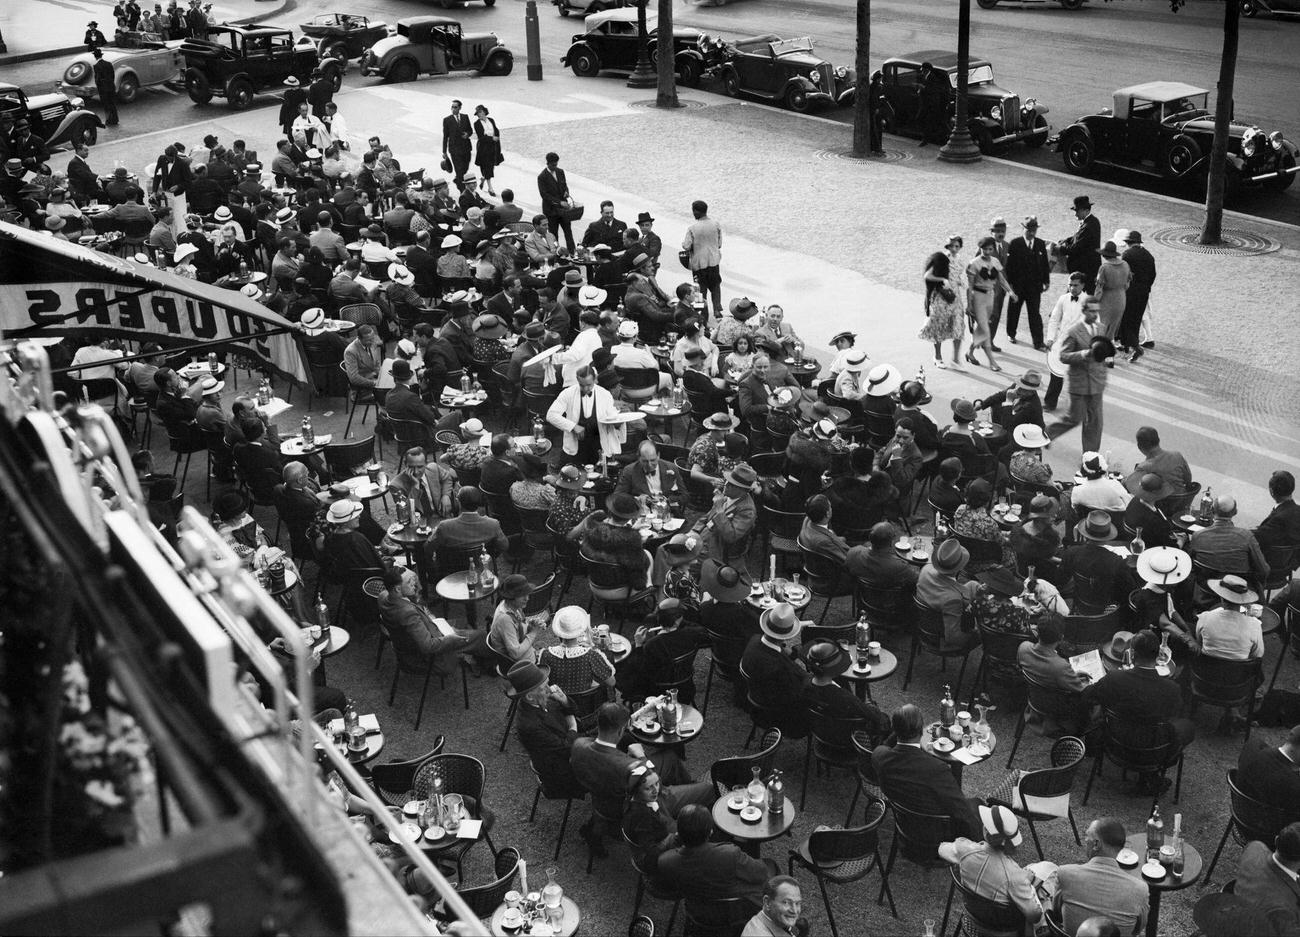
[
  {"x": 685, "y": 257},
  {"x": 571, "y": 209}
]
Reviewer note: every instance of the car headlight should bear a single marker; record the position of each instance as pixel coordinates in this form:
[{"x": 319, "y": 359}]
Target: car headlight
[
  {"x": 76, "y": 73},
  {"x": 78, "y": 102},
  {"x": 995, "y": 112}
]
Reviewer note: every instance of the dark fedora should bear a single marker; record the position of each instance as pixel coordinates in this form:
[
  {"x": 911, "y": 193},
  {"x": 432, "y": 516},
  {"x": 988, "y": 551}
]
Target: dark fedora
[
  {"x": 1109, "y": 250},
  {"x": 230, "y": 504},
  {"x": 1082, "y": 202},
  {"x": 742, "y": 475},
  {"x": 682, "y": 549},
  {"x": 741, "y": 308},
  {"x": 525, "y": 676},
  {"x": 623, "y": 506},
  {"x": 1096, "y": 527},
  {"x": 644, "y": 218},
  {"x": 1133, "y": 237},
  {"x": 723, "y": 583}
]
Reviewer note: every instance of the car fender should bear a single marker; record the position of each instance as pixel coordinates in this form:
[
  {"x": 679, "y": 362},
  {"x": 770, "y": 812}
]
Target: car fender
[
  {"x": 690, "y": 54},
  {"x": 117, "y": 82},
  {"x": 1076, "y": 129},
  {"x": 801, "y": 82},
  {"x": 577, "y": 47},
  {"x": 64, "y": 131},
  {"x": 236, "y": 77},
  {"x": 1040, "y": 108}
]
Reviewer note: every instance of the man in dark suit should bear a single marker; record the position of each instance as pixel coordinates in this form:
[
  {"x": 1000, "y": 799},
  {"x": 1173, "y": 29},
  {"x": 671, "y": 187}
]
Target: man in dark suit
[
  {"x": 106, "y": 86},
  {"x": 297, "y": 506},
  {"x": 259, "y": 462},
  {"x": 429, "y": 484},
  {"x": 498, "y": 473},
  {"x": 176, "y": 404},
  {"x": 421, "y": 262},
  {"x": 1026, "y": 405},
  {"x": 553, "y": 188},
  {"x": 1282, "y": 526},
  {"x": 294, "y": 94},
  {"x": 416, "y": 637},
  {"x": 917, "y": 780},
  {"x": 82, "y": 181},
  {"x": 1271, "y": 774},
  {"x": 701, "y": 870},
  {"x": 456, "y": 137},
  {"x": 1142, "y": 512},
  {"x": 1030, "y": 273},
  {"x": 403, "y": 403},
  {"x": 1086, "y": 380},
  {"x": 1267, "y": 883},
  {"x": 650, "y": 475},
  {"x": 1092, "y": 562},
  {"x": 503, "y": 304},
  {"x": 775, "y": 673},
  {"x": 470, "y": 528},
  {"x": 879, "y": 563},
  {"x": 1082, "y": 248},
  {"x": 998, "y": 231},
  {"x": 727, "y": 526},
  {"x": 606, "y": 229},
  {"x": 1141, "y": 693},
  {"x": 1143, "y": 267}
]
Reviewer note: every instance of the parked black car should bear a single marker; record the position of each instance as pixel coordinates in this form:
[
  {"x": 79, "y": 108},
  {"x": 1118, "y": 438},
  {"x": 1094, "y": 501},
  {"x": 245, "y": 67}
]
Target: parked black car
[
  {"x": 785, "y": 71},
  {"x": 997, "y": 117},
  {"x": 237, "y": 62},
  {"x": 1165, "y": 128},
  {"x": 1276, "y": 7},
  {"x": 57, "y": 119},
  {"x": 610, "y": 44}
]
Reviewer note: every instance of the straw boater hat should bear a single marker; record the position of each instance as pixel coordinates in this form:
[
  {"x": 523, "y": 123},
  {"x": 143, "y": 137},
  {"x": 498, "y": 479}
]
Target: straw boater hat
[
  {"x": 489, "y": 326},
  {"x": 525, "y": 676},
  {"x": 602, "y": 249},
  {"x": 1097, "y": 527},
  {"x": 723, "y": 421},
  {"x": 343, "y": 510},
  {"x": 1233, "y": 589},
  {"x": 313, "y": 320},
  {"x": 400, "y": 274},
  {"x": 450, "y": 241},
  {"x": 682, "y": 549},
  {"x": 623, "y": 506},
  {"x": 569, "y": 477},
  {"x": 628, "y": 329},
  {"x": 883, "y": 380},
  {"x": 824, "y": 429},
  {"x": 855, "y": 360},
  {"x": 780, "y": 623},
  {"x": 572, "y": 621},
  {"x": 252, "y": 291},
  {"x": 222, "y": 214},
  {"x": 291, "y": 81},
  {"x": 211, "y": 386},
  {"x": 287, "y": 214},
  {"x": 1030, "y": 436},
  {"x": 723, "y": 583},
  {"x": 1164, "y": 566},
  {"x": 950, "y": 557}
]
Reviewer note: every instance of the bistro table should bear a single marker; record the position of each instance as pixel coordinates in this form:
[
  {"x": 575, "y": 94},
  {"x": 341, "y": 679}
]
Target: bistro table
[
  {"x": 274, "y": 407},
  {"x": 993, "y": 434},
  {"x": 466, "y": 403},
  {"x": 974, "y": 756},
  {"x": 1006, "y": 516},
  {"x": 196, "y": 369},
  {"x": 338, "y": 640},
  {"x": 411, "y": 539},
  {"x": 749, "y": 836},
  {"x": 568, "y": 924},
  {"x": 339, "y": 325},
  {"x": 454, "y": 587},
  {"x": 916, "y": 550},
  {"x": 1192, "y": 863},
  {"x": 1171, "y": 669},
  {"x": 764, "y": 595},
  {"x": 292, "y": 447},
  {"x": 530, "y": 444},
  {"x": 804, "y": 372},
  {"x": 374, "y": 745},
  {"x": 657, "y": 409},
  {"x": 877, "y": 670},
  {"x": 360, "y": 488},
  {"x": 105, "y": 241},
  {"x": 690, "y": 723}
]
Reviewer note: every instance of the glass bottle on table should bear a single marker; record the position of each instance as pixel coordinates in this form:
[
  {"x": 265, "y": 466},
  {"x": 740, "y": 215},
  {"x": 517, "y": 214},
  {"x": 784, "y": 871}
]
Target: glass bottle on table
[
  {"x": 553, "y": 898},
  {"x": 1180, "y": 857},
  {"x": 947, "y": 707},
  {"x": 776, "y": 793},
  {"x": 756, "y": 792},
  {"x": 1164, "y": 655},
  {"x": 1155, "y": 833},
  {"x": 1137, "y": 544},
  {"x": 472, "y": 575}
]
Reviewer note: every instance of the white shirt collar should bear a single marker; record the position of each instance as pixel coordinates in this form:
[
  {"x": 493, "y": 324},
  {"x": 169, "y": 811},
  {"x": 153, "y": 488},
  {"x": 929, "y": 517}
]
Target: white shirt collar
[{"x": 1294, "y": 876}]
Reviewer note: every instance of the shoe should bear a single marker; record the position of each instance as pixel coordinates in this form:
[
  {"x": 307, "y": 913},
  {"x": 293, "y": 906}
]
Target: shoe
[
  {"x": 1012, "y": 340},
  {"x": 1148, "y": 344},
  {"x": 1137, "y": 353},
  {"x": 1049, "y": 404},
  {"x": 943, "y": 366},
  {"x": 970, "y": 358},
  {"x": 994, "y": 367},
  {"x": 1041, "y": 347},
  {"x": 955, "y": 366},
  {"x": 994, "y": 347}
]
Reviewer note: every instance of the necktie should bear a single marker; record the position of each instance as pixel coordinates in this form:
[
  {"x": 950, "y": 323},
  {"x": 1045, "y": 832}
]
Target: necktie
[
  {"x": 426, "y": 495},
  {"x": 1074, "y": 299}
]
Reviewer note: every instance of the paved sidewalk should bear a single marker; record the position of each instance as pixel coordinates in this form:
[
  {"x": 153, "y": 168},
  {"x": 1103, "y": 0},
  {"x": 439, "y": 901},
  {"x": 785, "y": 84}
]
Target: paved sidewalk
[
  {"x": 36, "y": 29},
  {"x": 841, "y": 244}
]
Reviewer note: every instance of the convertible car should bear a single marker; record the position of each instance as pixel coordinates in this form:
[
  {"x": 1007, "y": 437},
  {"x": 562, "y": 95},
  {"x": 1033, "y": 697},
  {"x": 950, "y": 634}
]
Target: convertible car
[
  {"x": 344, "y": 36},
  {"x": 151, "y": 63},
  {"x": 786, "y": 72}
]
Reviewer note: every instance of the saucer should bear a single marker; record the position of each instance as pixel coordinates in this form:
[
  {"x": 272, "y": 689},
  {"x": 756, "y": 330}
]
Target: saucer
[
  {"x": 942, "y": 744},
  {"x": 920, "y": 554},
  {"x": 980, "y": 750},
  {"x": 650, "y": 728},
  {"x": 767, "y": 602},
  {"x": 752, "y": 814},
  {"x": 1127, "y": 858},
  {"x": 412, "y": 808},
  {"x": 1154, "y": 871},
  {"x": 862, "y": 668},
  {"x": 434, "y": 833},
  {"x": 410, "y": 832},
  {"x": 737, "y": 802}
]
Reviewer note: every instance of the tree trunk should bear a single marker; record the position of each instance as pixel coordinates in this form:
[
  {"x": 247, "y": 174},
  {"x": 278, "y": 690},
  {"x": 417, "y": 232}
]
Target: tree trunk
[
  {"x": 862, "y": 98},
  {"x": 1212, "y": 230},
  {"x": 667, "y": 95}
]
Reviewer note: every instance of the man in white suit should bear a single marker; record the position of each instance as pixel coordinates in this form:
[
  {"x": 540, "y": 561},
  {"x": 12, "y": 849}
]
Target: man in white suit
[{"x": 585, "y": 413}]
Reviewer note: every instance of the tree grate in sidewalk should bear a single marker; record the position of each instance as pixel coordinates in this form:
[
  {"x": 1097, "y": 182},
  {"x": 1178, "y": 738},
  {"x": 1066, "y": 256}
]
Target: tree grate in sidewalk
[
  {"x": 684, "y": 102},
  {"x": 890, "y": 156},
  {"x": 1184, "y": 238}
]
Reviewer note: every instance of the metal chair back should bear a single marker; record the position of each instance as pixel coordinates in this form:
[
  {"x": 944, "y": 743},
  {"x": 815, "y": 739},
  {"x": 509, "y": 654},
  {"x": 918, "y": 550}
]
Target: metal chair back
[
  {"x": 409, "y": 434},
  {"x": 1057, "y": 781},
  {"x": 885, "y": 607},
  {"x": 992, "y": 918},
  {"x": 880, "y": 429},
  {"x": 1142, "y": 745},
  {"x": 843, "y": 856},
  {"x": 717, "y": 917},
  {"x": 1225, "y": 682},
  {"x": 1178, "y": 503},
  {"x": 729, "y": 773},
  {"x": 484, "y": 899},
  {"x": 345, "y": 459},
  {"x": 1048, "y": 701},
  {"x": 460, "y": 774},
  {"x": 1255, "y": 819},
  {"x": 539, "y": 599},
  {"x": 981, "y": 551},
  {"x": 919, "y": 834},
  {"x": 396, "y": 779},
  {"x": 1089, "y": 632},
  {"x": 700, "y": 493}
]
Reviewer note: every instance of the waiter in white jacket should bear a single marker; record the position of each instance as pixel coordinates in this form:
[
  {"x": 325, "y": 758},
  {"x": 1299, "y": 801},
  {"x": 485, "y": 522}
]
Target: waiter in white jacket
[{"x": 586, "y": 414}]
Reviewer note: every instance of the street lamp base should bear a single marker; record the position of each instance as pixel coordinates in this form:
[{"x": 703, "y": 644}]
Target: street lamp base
[
  {"x": 643, "y": 75},
  {"x": 960, "y": 148}
]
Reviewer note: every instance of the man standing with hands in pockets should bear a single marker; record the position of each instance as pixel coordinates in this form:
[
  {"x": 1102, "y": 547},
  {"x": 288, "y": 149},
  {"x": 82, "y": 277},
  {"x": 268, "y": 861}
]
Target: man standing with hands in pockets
[{"x": 1088, "y": 354}]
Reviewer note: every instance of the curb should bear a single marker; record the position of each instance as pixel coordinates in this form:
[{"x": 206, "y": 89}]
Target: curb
[{"x": 21, "y": 57}]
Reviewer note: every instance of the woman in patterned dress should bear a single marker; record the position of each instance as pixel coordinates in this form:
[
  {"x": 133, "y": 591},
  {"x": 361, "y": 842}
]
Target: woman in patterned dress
[
  {"x": 973, "y": 520},
  {"x": 945, "y": 303},
  {"x": 576, "y": 666},
  {"x": 571, "y": 505}
]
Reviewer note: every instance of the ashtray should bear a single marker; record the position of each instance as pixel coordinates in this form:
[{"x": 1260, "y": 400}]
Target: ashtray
[
  {"x": 942, "y": 744},
  {"x": 980, "y": 750},
  {"x": 1154, "y": 871},
  {"x": 1127, "y": 858},
  {"x": 752, "y": 814},
  {"x": 650, "y": 728},
  {"x": 1188, "y": 518},
  {"x": 412, "y": 808},
  {"x": 737, "y": 802},
  {"x": 434, "y": 833},
  {"x": 767, "y": 602}
]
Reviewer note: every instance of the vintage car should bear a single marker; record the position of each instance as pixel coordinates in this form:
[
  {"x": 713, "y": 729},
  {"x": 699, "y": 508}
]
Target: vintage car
[
  {"x": 237, "y": 62},
  {"x": 1276, "y": 7},
  {"x": 1165, "y": 128},
  {"x": 1068, "y": 4},
  {"x": 610, "y": 44},
  {"x": 997, "y": 117},
  {"x": 344, "y": 36},
  {"x": 55, "y": 118},
  {"x": 435, "y": 45},
  {"x": 784, "y": 71},
  {"x": 589, "y": 7},
  {"x": 144, "y": 66}
]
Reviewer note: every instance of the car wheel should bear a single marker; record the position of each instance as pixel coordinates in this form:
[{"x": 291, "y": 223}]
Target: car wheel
[
  {"x": 1040, "y": 132},
  {"x": 564, "y": 10},
  {"x": 987, "y": 4},
  {"x": 1284, "y": 181},
  {"x": 84, "y": 132},
  {"x": 796, "y": 99},
  {"x": 239, "y": 95},
  {"x": 337, "y": 50},
  {"x": 983, "y": 137},
  {"x": 489, "y": 3},
  {"x": 403, "y": 70},
  {"x": 1071, "y": 4},
  {"x": 1248, "y": 8},
  {"x": 1181, "y": 155},
  {"x": 499, "y": 63},
  {"x": 1078, "y": 152},
  {"x": 584, "y": 63},
  {"x": 197, "y": 86},
  {"x": 731, "y": 83},
  {"x": 128, "y": 88},
  {"x": 688, "y": 72}
]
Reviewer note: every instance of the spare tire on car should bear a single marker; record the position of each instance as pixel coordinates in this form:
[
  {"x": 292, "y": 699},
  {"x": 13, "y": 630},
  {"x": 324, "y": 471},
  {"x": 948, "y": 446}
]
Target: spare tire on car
[{"x": 197, "y": 86}]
